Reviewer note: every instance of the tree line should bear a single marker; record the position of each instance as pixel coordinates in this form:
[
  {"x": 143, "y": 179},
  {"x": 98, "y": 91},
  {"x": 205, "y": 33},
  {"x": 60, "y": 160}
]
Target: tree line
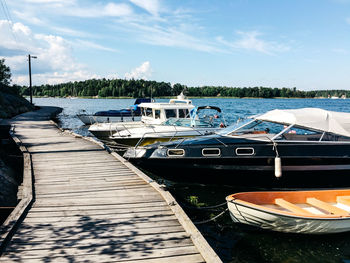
[{"x": 143, "y": 88}]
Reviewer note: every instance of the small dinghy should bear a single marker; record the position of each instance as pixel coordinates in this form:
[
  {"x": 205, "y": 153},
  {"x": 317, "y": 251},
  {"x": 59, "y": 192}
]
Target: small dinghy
[{"x": 308, "y": 212}]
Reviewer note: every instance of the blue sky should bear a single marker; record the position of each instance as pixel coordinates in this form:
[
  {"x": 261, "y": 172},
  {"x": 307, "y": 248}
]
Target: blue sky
[{"x": 290, "y": 43}]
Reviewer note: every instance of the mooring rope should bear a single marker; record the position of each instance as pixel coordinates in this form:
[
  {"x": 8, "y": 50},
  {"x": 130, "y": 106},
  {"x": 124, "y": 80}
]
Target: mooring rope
[
  {"x": 204, "y": 207},
  {"x": 211, "y": 219}
]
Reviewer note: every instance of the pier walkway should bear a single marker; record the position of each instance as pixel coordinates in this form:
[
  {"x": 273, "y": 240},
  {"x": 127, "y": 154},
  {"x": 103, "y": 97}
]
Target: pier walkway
[{"x": 92, "y": 206}]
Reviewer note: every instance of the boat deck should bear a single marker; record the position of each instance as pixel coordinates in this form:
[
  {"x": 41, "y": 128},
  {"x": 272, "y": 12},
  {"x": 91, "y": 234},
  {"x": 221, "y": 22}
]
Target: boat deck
[{"x": 92, "y": 206}]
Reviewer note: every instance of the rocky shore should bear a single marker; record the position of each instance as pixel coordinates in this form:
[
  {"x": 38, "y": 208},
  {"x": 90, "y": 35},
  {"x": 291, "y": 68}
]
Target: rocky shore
[
  {"x": 12, "y": 105},
  {"x": 9, "y": 185}
]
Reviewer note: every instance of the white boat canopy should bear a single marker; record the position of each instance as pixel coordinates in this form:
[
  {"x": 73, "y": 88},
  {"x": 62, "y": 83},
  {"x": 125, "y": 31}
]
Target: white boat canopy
[{"x": 312, "y": 118}]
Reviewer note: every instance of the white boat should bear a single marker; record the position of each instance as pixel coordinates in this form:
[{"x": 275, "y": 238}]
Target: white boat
[
  {"x": 307, "y": 212},
  {"x": 153, "y": 113},
  {"x": 172, "y": 129}
]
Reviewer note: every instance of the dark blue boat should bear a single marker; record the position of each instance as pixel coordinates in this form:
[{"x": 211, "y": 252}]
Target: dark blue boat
[{"x": 131, "y": 114}]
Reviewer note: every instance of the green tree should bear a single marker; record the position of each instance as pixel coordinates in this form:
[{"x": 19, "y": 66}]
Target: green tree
[{"x": 5, "y": 73}]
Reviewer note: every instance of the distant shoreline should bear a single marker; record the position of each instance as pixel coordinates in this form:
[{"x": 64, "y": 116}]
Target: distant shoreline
[{"x": 171, "y": 97}]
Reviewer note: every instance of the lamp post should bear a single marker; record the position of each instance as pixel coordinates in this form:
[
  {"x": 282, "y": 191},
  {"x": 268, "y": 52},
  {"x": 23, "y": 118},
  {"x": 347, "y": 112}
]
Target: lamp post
[{"x": 30, "y": 78}]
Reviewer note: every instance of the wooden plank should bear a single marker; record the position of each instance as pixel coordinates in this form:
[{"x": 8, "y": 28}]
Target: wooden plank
[
  {"x": 326, "y": 207},
  {"x": 106, "y": 216},
  {"x": 98, "y": 184},
  {"x": 57, "y": 213},
  {"x": 191, "y": 258},
  {"x": 156, "y": 240},
  {"x": 89, "y": 188},
  {"x": 137, "y": 194},
  {"x": 90, "y": 222},
  {"x": 83, "y": 175},
  {"x": 96, "y": 200},
  {"x": 104, "y": 253},
  {"x": 94, "y": 180},
  {"x": 291, "y": 207},
  {"x": 98, "y": 207},
  {"x": 121, "y": 228}
]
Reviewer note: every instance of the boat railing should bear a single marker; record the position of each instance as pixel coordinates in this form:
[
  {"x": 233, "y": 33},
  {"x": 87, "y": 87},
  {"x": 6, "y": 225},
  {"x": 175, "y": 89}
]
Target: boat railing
[
  {"x": 118, "y": 127},
  {"x": 174, "y": 135}
]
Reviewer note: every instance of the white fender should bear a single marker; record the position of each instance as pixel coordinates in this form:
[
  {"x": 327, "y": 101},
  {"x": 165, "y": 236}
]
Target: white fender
[{"x": 278, "y": 167}]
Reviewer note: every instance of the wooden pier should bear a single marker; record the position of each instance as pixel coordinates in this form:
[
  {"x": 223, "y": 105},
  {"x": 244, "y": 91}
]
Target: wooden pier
[{"x": 89, "y": 205}]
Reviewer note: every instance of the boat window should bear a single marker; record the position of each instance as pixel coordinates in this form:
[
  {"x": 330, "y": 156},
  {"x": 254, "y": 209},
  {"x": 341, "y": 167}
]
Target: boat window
[
  {"x": 301, "y": 134},
  {"x": 149, "y": 112},
  {"x": 211, "y": 152},
  {"x": 176, "y": 152},
  {"x": 183, "y": 113},
  {"x": 170, "y": 113},
  {"x": 157, "y": 114},
  {"x": 245, "y": 151},
  {"x": 258, "y": 127},
  {"x": 143, "y": 111}
]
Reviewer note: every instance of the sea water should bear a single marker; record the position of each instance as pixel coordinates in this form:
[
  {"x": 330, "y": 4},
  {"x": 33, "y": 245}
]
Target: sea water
[{"x": 232, "y": 242}]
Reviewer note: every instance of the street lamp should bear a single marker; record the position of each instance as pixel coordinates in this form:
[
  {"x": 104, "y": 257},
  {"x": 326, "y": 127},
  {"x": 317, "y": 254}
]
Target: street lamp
[{"x": 30, "y": 78}]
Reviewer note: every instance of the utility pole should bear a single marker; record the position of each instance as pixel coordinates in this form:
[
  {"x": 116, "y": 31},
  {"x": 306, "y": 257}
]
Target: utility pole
[{"x": 30, "y": 78}]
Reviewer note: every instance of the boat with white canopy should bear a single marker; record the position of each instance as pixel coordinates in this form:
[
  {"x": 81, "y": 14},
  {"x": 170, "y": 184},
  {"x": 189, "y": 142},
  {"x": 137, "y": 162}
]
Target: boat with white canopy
[{"x": 288, "y": 144}]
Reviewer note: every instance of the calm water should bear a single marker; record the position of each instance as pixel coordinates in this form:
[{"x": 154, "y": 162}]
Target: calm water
[{"x": 233, "y": 243}]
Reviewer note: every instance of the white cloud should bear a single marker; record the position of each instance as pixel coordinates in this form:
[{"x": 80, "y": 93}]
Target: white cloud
[
  {"x": 251, "y": 41},
  {"x": 54, "y": 77},
  {"x": 71, "y": 32},
  {"x": 89, "y": 44},
  {"x": 169, "y": 36},
  {"x": 35, "y": 10},
  {"x": 54, "y": 63},
  {"x": 142, "y": 72},
  {"x": 28, "y": 17},
  {"x": 111, "y": 10},
  {"x": 151, "y": 6},
  {"x": 171, "y": 28},
  {"x": 55, "y": 3},
  {"x": 347, "y": 20},
  {"x": 19, "y": 28}
]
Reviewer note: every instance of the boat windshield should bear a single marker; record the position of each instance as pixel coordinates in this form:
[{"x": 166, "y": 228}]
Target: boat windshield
[
  {"x": 278, "y": 131},
  {"x": 186, "y": 123},
  {"x": 228, "y": 130}
]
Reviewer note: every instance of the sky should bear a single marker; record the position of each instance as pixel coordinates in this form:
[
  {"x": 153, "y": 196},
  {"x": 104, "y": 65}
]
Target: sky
[{"x": 237, "y": 43}]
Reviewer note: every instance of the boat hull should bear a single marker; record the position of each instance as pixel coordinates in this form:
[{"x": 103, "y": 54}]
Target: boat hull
[
  {"x": 284, "y": 223},
  {"x": 145, "y": 141},
  {"x": 299, "y": 171},
  {"x": 91, "y": 119},
  {"x": 248, "y": 162},
  {"x": 104, "y": 131}
]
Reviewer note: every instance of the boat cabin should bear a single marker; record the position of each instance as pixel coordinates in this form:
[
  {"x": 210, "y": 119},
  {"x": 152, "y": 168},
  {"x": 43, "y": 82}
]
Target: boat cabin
[{"x": 158, "y": 112}]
